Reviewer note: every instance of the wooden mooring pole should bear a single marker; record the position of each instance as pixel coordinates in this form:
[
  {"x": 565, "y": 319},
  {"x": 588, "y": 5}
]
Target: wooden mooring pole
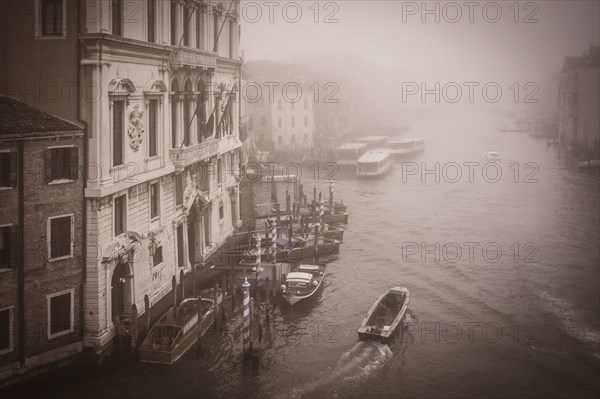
[
  {"x": 199, "y": 338},
  {"x": 174, "y": 289},
  {"x": 331, "y": 205}
]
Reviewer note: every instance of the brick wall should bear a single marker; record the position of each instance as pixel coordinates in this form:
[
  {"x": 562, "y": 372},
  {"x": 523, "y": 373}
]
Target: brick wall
[{"x": 42, "y": 276}]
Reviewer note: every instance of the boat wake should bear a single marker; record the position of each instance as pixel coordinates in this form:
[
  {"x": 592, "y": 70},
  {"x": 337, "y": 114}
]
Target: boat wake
[
  {"x": 357, "y": 364},
  {"x": 562, "y": 310}
]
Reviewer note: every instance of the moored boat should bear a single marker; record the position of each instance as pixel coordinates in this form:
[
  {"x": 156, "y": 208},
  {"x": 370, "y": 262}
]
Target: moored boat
[
  {"x": 374, "y": 141},
  {"x": 296, "y": 249},
  {"x": 303, "y": 283},
  {"x": 385, "y": 315},
  {"x": 491, "y": 156},
  {"x": 374, "y": 163},
  {"x": 519, "y": 128},
  {"x": 336, "y": 217},
  {"x": 592, "y": 164},
  {"x": 406, "y": 147},
  {"x": 349, "y": 153},
  {"x": 176, "y": 331}
]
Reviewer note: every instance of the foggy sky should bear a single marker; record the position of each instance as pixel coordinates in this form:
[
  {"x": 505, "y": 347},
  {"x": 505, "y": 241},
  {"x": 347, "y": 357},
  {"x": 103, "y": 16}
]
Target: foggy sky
[{"x": 467, "y": 51}]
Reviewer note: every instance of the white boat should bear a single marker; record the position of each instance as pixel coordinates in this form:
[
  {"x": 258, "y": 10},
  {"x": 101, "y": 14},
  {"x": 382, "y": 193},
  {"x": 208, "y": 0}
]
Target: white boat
[
  {"x": 408, "y": 146},
  {"x": 302, "y": 283},
  {"x": 492, "y": 156},
  {"x": 385, "y": 315},
  {"x": 349, "y": 153},
  {"x": 374, "y": 163}
]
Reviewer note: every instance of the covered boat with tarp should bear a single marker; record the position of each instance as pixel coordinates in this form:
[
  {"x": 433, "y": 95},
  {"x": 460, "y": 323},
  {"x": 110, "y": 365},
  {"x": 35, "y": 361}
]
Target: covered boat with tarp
[{"x": 303, "y": 283}]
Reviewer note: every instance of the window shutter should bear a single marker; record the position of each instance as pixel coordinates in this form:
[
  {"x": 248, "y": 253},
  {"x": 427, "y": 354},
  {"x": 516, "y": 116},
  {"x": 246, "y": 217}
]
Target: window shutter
[
  {"x": 12, "y": 165},
  {"x": 74, "y": 163},
  {"x": 48, "y": 165}
]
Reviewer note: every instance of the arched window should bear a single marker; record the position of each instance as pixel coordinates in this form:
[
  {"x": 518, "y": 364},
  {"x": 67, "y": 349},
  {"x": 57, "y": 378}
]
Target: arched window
[
  {"x": 187, "y": 110},
  {"x": 174, "y": 22},
  {"x": 154, "y": 93},
  {"x": 175, "y": 92},
  {"x": 187, "y": 14},
  {"x": 200, "y": 26},
  {"x": 119, "y": 91},
  {"x": 201, "y": 106}
]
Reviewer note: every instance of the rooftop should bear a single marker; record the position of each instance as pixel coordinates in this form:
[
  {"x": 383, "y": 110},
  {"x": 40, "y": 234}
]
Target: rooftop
[
  {"x": 352, "y": 146},
  {"x": 371, "y": 139},
  {"x": 375, "y": 155},
  {"x": 21, "y": 120},
  {"x": 405, "y": 141}
]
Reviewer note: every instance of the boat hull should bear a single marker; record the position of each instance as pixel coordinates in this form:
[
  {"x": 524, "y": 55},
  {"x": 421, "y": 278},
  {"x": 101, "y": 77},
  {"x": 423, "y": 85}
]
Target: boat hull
[
  {"x": 334, "y": 234},
  {"x": 149, "y": 354},
  {"x": 379, "y": 173},
  {"x": 367, "y": 330},
  {"x": 337, "y": 217}
]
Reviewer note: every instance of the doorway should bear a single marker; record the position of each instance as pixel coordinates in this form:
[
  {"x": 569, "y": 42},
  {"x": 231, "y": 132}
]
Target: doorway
[{"x": 118, "y": 290}]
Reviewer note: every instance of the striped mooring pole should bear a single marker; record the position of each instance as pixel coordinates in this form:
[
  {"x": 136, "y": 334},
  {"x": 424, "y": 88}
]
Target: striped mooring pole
[
  {"x": 321, "y": 217},
  {"x": 274, "y": 241},
  {"x": 246, "y": 314},
  {"x": 257, "y": 241}
]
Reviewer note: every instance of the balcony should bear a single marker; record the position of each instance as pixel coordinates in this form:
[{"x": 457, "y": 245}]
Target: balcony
[
  {"x": 190, "y": 57},
  {"x": 186, "y": 156}
]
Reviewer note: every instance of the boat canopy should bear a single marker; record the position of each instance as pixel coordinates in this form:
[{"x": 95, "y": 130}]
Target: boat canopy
[
  {"x": 374, "y": 156},
  {"x": 406, "y": 142},
  {"x": 352, "y": 146},
  {"x": 312, "y": 268},
  {"x": 285, "y": 241},
  {"x": 299, "y": 277},
  {"x": 373, "y": 139}
]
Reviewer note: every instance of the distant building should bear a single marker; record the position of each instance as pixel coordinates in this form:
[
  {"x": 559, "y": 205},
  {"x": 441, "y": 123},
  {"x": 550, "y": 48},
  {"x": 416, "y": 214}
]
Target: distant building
[
  {"x": 41, "y": 238},
  {"x": 578, "y": 104},
  {"x": 332, "y": 124},
  {"x": 283, "y": 124}
]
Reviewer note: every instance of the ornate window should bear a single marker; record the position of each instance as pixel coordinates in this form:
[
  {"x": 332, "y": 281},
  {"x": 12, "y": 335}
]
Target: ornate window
[
  {"x": 154, "y": 93},
  {"x": 187, "y": 111},
  {"x": 175, "y": 99},
  {"x": 154, "y": 200},
  {"x": 119, "y": 91},
  {"x": 151, "y": 5},
  {"x": 174, "y": 22},
  {"x": 117, "y": 17},
  {"x": 216, "y": 27},
  {"x": 187, "y": 15},
  {"x": 200, "y": 26},
  {"x": 120, "y": 214}
]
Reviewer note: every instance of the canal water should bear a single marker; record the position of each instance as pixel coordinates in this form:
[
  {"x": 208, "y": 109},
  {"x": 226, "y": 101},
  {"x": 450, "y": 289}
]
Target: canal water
[{"x": 503, "y": 277}]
